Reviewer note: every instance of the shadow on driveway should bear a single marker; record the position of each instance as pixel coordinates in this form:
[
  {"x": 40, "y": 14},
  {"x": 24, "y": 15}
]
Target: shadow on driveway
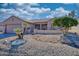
[{"x": 6, "y": 35}]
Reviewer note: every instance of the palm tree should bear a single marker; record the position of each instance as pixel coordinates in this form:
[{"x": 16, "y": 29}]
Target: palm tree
[{"x": 65, "y": 22}]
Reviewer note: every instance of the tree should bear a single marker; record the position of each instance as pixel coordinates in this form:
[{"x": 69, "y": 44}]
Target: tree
[{"x": 65, "y": 22}]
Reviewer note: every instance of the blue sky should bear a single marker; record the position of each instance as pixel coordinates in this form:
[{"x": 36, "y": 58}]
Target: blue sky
[{"x": 29, "y": 11}]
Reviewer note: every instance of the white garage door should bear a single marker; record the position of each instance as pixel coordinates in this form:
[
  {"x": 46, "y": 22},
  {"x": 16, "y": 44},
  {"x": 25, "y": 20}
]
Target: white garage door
[{"x": 10, "y": 28}]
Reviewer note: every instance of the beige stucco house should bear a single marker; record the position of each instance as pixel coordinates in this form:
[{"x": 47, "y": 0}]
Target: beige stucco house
[{"x": 13, "y": 22}]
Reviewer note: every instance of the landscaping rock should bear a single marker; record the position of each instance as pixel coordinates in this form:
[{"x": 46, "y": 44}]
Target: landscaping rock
[{"x": 70, "y": 38}]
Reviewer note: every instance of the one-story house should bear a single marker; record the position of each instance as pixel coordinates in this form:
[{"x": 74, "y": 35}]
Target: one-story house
[{"x": 13, "y": 22}]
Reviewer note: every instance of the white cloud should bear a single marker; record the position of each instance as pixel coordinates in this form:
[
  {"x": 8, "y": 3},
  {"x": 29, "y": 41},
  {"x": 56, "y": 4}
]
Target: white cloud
[
  {"x": 61, "y": 10},
  {"x": 33, "y": 12},
  {"x": 45, "y": 9},
  {"x": 9, "y": 11},
  {"x": 26, "y": 5},
  {"x": 17, "y": 12},
  {"x": 25, "y": 10},
  {"x": 34, "y": 4},
  {"x": 38, "y": 10},
  {"x": 29, "y": 4},
  {"x": 28, "y": 11},
  {"x": 21, "y": 9},
  {"x": 58, "y": 13},
  {"x": 20, "y": 4}
]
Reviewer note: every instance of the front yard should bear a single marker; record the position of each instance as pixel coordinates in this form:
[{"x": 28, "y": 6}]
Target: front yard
[{"x": 41, "y": 45}]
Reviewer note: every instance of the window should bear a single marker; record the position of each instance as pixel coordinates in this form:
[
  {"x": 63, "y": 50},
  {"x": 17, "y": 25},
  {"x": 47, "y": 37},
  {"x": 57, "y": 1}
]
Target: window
[
  {"x": 37, "y": 26},
  {"x": 44, "y": 26}
]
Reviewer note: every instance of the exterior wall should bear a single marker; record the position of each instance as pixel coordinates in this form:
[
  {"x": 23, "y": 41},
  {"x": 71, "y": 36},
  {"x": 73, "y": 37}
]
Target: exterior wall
[
  {"x": 10, "y": 24},
  {"x": 47, "y": 31},
  {"x": 40, "y": 23},
  {"x": 10, "y": 28},
  {"x": 2, "y": 29},
  {"x": 30, "y": 26},
  {"x": 14, "y": 22},
  {"x": 49, "y": 26}
]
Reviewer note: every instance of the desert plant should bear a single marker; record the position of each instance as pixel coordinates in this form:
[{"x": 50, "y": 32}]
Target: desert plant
[
  {"x": 18, "y": 32},
  {"x": 65, "y": 22}
]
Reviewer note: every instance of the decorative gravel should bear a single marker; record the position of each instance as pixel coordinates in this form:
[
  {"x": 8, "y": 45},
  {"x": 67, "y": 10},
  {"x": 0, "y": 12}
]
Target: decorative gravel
[{"x": 41, "y": 48}]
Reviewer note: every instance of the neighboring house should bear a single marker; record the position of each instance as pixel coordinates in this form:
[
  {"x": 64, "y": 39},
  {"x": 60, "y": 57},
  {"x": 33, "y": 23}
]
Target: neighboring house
[{"x": 14, "y": 22}]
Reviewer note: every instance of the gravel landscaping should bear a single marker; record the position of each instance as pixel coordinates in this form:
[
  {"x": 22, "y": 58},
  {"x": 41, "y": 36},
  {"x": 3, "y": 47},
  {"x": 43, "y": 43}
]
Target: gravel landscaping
[{"x": 37, "y": 45}]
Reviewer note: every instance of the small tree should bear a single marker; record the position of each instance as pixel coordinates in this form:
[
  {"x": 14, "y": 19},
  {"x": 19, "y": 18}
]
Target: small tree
[{"x": 65, "y": 22}]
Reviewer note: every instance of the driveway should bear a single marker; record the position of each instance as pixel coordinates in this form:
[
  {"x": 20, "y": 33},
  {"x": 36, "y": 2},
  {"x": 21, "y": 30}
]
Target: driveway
[{"x": 6, "y": 35}]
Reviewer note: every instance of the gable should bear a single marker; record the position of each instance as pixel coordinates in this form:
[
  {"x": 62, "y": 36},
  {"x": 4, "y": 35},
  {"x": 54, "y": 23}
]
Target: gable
[{"x": 13, "y": 20}]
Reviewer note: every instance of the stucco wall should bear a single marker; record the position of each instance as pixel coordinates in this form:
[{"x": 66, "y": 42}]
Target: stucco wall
[
  {"x": 14, "y": 22},
  {"x": 2, "y": 29},
  {"x": 49, "y": 26},
  {"x": 10, "y": 28},
  {"x": 11, "y": 23}
]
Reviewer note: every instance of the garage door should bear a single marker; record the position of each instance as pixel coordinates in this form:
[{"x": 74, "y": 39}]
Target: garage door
[{"x": 10, "y": 28}]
